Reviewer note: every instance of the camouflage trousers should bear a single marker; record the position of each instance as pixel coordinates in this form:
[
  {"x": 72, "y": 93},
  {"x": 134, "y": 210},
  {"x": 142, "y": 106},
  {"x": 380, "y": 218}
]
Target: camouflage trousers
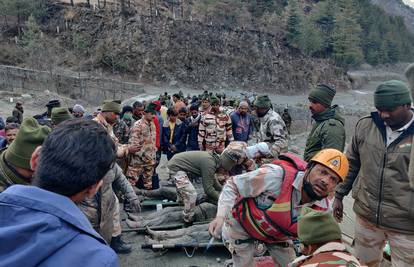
[
  {"x": 243, "y": 252},
  {"x": 116, "y": 219},
  {"x": 145, "y": 170},
  {"x": 370, "y": 241},
  {"x": 186, "y": 194}
]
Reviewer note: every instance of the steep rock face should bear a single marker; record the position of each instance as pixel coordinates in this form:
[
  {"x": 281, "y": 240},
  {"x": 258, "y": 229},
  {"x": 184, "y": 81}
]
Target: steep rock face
[
  {"x": 398, "y": 8},
  {"x": 196, "y": 54}
]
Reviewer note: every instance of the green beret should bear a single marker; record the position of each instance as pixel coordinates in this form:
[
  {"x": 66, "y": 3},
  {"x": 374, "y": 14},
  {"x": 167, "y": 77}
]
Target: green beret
[
  {"x": 60, "y": 115},
  {"x": 214, "y": 101},
  {"x": 315, "y": 227},
  {"x": 262, "y": 101},
  {"x": 111, "y": 106},
  {"x": 322, "y": 94},
  {"x": 30, "y": 136},
  {"x": 151, "y": 108},
  {"x": 392, "y": 94}
]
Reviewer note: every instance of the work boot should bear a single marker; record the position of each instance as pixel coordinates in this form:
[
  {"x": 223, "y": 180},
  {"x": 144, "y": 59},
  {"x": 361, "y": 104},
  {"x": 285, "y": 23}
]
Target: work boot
[{"x": 119, "y": 246}]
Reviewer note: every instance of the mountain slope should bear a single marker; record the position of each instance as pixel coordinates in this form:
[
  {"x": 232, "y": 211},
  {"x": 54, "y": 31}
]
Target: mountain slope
[{"x": 398, "y": 8}]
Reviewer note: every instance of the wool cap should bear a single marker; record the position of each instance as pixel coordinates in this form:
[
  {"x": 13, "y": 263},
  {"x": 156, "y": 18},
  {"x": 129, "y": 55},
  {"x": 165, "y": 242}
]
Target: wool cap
[
  {"x": 78, "y": 108},
  {"x": 322, "y": 94},
  {"x": 59, "y": 115},
  {"x": 151, "y": 107},
  {"x": 30, "y": 136},
  {"x": 263, "y": 101},
  {"x": 214, "y": 101},
  {"x": 315, "y": 227},
  {"x": 227, "y": 160},
  {"x": 53, "y": 103},
  {"x": 111, "y": 106},
  {"x": 391, "y": 94}
]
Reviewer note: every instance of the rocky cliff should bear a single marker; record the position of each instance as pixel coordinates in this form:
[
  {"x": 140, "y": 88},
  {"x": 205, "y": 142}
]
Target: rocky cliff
[{"x": 196, "y": 54}]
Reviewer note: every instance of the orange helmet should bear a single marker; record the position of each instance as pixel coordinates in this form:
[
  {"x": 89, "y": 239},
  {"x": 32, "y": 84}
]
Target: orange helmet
[{"x": 334, "y": 160}]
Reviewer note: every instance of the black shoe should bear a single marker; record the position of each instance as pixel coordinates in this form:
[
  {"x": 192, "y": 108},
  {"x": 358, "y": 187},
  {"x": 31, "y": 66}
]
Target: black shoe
[{"x": 119, "y": 246}]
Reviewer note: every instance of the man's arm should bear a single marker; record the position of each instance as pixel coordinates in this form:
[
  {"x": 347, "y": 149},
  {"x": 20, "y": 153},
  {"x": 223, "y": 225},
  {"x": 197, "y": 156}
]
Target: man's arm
[
  {"x": 250, "y": 184},
  {"x": 201, "y": 133},
  {"x": 229, "y": 130},
  {"x": 352, "y": 154}
]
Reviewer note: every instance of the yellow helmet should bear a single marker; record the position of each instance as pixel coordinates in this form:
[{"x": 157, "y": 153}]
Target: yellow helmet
[{"x": 334, "y": 160}]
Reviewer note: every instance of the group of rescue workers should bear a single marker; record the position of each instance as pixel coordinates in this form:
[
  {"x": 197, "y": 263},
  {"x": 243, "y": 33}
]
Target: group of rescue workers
[{"x": 262, "y": 192}]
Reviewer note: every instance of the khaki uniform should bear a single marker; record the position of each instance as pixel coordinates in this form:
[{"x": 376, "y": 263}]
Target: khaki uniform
[
  {"x": 214, "y": 131},
  {"x": 331, "y": 254},
  {"x": 121, "y": 150},
  {"x": 272, "y": 130},
  {"x": 143, "y": 162}
]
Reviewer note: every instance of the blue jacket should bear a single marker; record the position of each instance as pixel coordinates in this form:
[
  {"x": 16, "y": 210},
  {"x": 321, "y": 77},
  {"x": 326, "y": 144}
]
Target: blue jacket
[
  {"x": 241, "y": 126},
  {"x": 41, "y": 228},
  {"x": 191, "y": 133},
  {"x": 177, "y": 136}
]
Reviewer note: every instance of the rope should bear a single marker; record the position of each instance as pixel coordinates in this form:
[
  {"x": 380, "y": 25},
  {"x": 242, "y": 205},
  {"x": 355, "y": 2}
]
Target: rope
[{"x": 192, "y": 253}]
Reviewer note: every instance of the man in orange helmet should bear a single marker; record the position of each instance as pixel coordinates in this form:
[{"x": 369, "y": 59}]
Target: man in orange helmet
[{"x": 264, "y": 204}]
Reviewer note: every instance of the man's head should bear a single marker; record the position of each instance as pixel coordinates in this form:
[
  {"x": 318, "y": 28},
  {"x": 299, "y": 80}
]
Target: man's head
[
  {"x": 182, "y": 113},
  {"x": 215, "y": 104},
  {"x": 74, "y": 158},
  {"x": 172, "y": 114},
  {"x": 150, "y": 112},
  {"x": 138, "y": 109},
  {"x": 78, "y": 111},
  {"x": 59, "y": 115},
  {"x": 320, "y": 98},
  {"x": 316, "y": 228},
  {"x": 111, "y": 111},
  {"x": 262, "y": 104},
  {"x": 19, "y": 153},
  {"x": 205, "y": 102},
  {"x": 243, "y": 108},
  {"x": 11, "y": 132},
  {"x": 19, "y": 105},
  {"x": 157, "y": 105},
  {"x": 285, "y": 110},
  {"x": 194, "y": 111},
  {"x": 126, "y": 113},
  {"x": 325, "y": 170},
  {"x": 392, "y": 99},
  {"x": 176, "y": 97}
]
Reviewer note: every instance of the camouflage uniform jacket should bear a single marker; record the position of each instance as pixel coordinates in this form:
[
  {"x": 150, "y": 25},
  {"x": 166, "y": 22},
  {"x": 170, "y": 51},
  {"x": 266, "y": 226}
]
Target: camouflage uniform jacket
[
  {"x": 122, "y": 150},
  {"x": 143, "y": 134},
  {"x": 8, "y": 177},
  {"x": 100, "y": 209},
  {"x": 214, "y": 131},
  {"x": 271, "y": 129},
  {"x": 331, "y": 254}
]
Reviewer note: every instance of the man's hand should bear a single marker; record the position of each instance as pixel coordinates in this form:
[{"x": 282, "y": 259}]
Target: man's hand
[
  {"x": 215, "y": 227},
  {"x": 134, "y": 148},
  {"x": 132, "y": 181},
  {"x": 135, "y": 205},
  {"x": 338, "y": 209},
  {"x": 173, "y": 148}
]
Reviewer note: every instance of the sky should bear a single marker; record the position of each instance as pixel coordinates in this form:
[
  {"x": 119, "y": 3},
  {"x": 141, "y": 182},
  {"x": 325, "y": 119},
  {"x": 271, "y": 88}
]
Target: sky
[{"x": 409, "y": 2}]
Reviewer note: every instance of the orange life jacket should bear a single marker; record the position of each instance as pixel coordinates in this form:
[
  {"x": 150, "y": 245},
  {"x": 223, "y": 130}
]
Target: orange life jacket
[{"x": 276, "y": 223}]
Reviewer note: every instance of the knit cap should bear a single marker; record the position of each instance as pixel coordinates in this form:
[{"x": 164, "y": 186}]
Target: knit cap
[
  {"x": 315, "y": 227},
  {"x": 214, "y": 101},
  {"x": 78, "y": 108},
  {"x": 30, "y": 136},
  {"x": 322, "y": 94},
  {"x": 151, "y": 108},
  {"x": 59, "y": 115},
  {"x": 391, "y": 94},
  {"x": 111, "y": 106},
  {"x": 263, "y": 101}
]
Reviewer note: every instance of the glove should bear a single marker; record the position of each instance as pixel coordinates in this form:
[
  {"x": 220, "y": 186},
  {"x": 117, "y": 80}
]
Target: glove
[{"x": 135, "y": 205}]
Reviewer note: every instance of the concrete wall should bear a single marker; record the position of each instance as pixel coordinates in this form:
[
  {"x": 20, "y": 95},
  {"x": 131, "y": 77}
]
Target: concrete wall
[{"x": 91, "y": 89}]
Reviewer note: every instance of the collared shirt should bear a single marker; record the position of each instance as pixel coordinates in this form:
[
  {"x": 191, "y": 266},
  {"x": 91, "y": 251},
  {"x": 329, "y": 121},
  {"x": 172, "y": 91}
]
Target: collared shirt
[{"x": 393, "y": 135}]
